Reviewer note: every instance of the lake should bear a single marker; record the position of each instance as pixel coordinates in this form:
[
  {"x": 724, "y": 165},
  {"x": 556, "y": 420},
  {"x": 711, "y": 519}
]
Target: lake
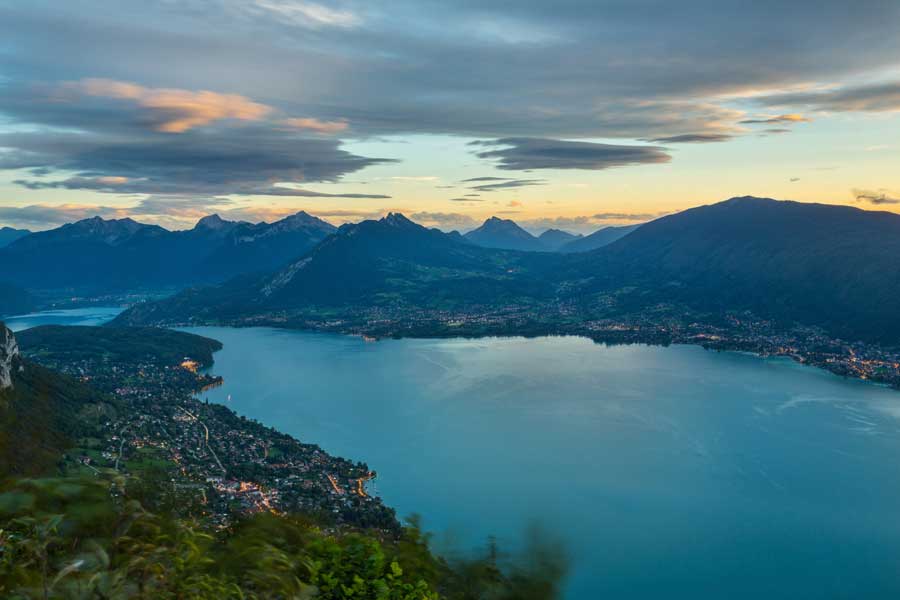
[
  {"x": 71, "y": 316},
  {"x": 668, "y": 472}
]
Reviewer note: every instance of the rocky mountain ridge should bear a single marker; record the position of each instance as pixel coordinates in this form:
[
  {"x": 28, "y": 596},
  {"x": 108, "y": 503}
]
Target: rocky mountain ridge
[{"x": 9, "y": 356}]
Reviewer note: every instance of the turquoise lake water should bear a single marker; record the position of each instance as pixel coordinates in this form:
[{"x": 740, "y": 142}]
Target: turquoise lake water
[
  {"x": 668, "y": 472},
  {"x": 73, "y": 316}
]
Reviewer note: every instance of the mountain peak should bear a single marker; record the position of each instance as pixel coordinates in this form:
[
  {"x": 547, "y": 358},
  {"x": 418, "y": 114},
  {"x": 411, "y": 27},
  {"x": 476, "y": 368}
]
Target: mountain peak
[
  {"x": 503, "y": 233},
  {"x": 554, "y": 239},
  {"x": 297, "y": 222},
  {"x": 111, "y": 231},
  {"x": 749, "y": 200},
  {"x": 214, "y": 222},
  {"x": 301, "y": 217},
  {"x": 395, "y": 219},
  {"x": 497, "y": 221}
]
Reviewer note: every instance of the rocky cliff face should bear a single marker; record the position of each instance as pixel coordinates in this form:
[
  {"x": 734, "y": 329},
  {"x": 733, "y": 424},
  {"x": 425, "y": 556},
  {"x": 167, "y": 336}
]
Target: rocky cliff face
[{"x": 9, "y": 354}]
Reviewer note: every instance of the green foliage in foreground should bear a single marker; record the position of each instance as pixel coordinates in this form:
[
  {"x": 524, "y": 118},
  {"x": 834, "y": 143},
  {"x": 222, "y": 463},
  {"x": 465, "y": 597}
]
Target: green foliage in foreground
[{"x": 86, "y": 538}]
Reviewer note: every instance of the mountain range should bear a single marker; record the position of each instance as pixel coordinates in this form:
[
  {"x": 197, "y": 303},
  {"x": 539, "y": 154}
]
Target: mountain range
[
  {"x": 828, "y": 266},
  {"x": 388, "y": 262},
  {"x": 97, "y": 255},
  {"x": 508, "y": 235},
  {"x": 121, "y": 254}
]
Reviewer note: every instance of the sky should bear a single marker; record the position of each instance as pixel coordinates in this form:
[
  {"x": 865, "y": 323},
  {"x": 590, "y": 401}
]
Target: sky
[{"x": 575, "y": 114}]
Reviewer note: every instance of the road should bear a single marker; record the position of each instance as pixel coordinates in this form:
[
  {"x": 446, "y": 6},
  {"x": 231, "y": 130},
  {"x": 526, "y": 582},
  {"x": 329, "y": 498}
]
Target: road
[{"x": 206, "y": 436}]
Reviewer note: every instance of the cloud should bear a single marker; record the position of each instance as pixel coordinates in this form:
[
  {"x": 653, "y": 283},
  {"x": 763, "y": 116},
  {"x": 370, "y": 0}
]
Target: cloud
[
  {"x": 586, "y": 223},
  {"x": 316, "y": 125},
  {"x": 577, "y": 223},
  {"x": 882, "y": 97},
  {"x": 538, "y": 153},
  {"x": 464, "y": 199},
  {"x": 575, "y": 70},
  {"x": 116, "y": 158},
  {"x": 445, "y": 221},
  {"x": 169, "y": 211},
  {"x": 773, "y": 131},
  {"x": 693, "y": 138},
  {"x": 171, "y": 110},
  {"x": 42, "y": 216},
  {"x": 787, "y": 118},
  {"x": 165, "y": 142},
  {"x": 881, "y": 196},
  {"x": 592, "y": 69},
  {"x": 622, "y": 216},
  {"x": 499, "y": 183},
  {"x": 124, "y": 185},
  {"x": 416, "y": 178},
  {"x": 305, "y": 14}
]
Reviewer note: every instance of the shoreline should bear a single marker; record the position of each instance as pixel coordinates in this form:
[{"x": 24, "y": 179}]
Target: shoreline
[{"x": 608, "y": 338}]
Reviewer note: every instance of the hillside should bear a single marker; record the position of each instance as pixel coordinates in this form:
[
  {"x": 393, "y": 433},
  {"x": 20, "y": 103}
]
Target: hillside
[
  {"x": 42, "y": 412},
  {"x": 8, "y": 235},
  {"x": 264, "y": 247},
  {"x": 391, "y": 262},
  {"x": 14, "y": 300},
  {"x": 98, "y": 256},
  {"x": 598, "y": 239},
  {"x": 830, "y": 266},
  {"x": 67, "y": 343}
]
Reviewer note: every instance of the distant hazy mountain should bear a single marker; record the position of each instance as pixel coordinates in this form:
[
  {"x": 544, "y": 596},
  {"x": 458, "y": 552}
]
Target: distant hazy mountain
[
  {"x": 8, "y": 235},
  {"x": 505, "y": 234},
  {"x": 554, "y": 239},
  {"x": 107, "y": 255},
  {"x": 96, "y": 230},
  {"x": 830, "y": 266},
  {"x": 598, "y": 239}
]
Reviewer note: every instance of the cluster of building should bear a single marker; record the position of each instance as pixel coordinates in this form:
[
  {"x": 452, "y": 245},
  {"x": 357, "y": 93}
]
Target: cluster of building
[{"x": 211, "y": 460}]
